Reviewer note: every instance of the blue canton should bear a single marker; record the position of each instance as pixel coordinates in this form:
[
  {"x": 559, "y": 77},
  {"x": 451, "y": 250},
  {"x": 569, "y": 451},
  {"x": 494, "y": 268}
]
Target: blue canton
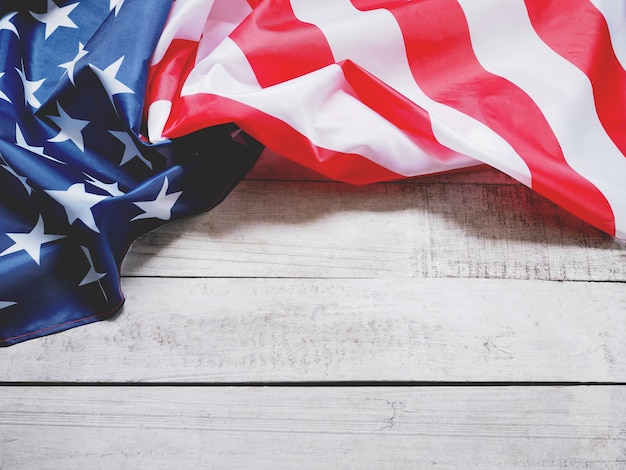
[{"x": 77, "y": 181}]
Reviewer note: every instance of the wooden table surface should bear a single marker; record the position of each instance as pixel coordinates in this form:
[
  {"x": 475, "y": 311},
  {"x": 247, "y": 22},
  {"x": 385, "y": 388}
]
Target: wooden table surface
[{"x": 451, "y": 322}]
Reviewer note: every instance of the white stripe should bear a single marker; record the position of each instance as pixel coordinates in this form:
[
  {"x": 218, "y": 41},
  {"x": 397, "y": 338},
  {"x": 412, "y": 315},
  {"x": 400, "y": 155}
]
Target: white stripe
[
  {"x": 320, "y": 106},
  {"x": 614, "y": 12},
  {"x": 373, "y": 39},
  {"x": 158, "y": 113},
  {"x": 225, "y": 16},
  {"x": 186, "y": 20},
  {"x": 204, "y": 21},
  {"x": 561, "y": 90}
]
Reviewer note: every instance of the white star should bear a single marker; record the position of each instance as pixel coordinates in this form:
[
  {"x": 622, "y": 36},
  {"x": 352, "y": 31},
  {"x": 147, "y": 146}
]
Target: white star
[
  {"x": 117, "y": 4},
  {"x": 69, "y": 66},
  {"x": 161, "y": 207},
  {"x": 237, "y": 136},
  {"x": 130, "y": 149},
  {"x": 30, "y": 87},
  {"x": 92, "y": 275},
  {"x": 22, "y": 179},
  {"x": 4, "y": 304},
  {"x": 55, "y": 17},
  {"x": 112, "y": 188},
  {"x": 21, "y": 142},
  {"x": 107, "y": 77},
  {"x": 30, "y": 242},
  {"x": 3, "y": 96},
  {"x": 5, "y": 23},
  {"x": 78, "y": 203},
  {"x": 70, "y": 128}
]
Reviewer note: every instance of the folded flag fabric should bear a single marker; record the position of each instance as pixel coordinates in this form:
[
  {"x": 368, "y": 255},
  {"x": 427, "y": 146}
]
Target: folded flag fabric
[
  {"x": 116, "y": 117},
  {"x": 77, "y": 182},
  {"x": 373, "y": 90}
]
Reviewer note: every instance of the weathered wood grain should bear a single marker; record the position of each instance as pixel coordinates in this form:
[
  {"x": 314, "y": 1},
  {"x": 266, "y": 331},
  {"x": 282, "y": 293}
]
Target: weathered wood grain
[
  {"x": 310, "y": 428},
  {"x": 267, "y": 330},
  {"x": 300, "y": 229}
]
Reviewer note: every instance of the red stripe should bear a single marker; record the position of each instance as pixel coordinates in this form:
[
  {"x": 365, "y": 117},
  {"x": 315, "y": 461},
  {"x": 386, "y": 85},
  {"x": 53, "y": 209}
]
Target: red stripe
[
  {"x": 202, "y": 110},
  {"x": 396, "y": 108},
  {"x": 582, "y": 37},
  {"x": 444, "y": 66},
  {"x": 278, "y": 46},
  {"x": 196, "y": 112},
  {"x": 166, "y": 79}
]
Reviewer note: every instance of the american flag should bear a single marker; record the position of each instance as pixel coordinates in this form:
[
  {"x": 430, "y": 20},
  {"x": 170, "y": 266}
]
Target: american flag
[
  {"x": 119, "y": 116},
  {"x": 373, "y": 90},
  {"x": 77, "y": 182}
]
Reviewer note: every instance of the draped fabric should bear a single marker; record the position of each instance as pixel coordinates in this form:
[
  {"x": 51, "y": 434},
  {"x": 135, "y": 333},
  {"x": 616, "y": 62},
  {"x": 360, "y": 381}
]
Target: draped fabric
[
  {"x": 77, "y": 182},
  {"x": 374, "y": 90},
  {"x": 119, "y": 116}
]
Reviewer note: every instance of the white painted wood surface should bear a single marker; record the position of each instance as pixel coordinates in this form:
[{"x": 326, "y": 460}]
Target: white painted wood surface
[
  {"x": 464, "y": 278},
  {"x": 286, "y": 330},
  {"x": 313, "y": 428},
  {"x": 317, "y": 229}
]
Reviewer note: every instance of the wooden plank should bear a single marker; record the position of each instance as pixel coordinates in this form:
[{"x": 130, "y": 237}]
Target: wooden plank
[
  {"x": 365, "y": 428},
  {"x": 282, "y": 229},
  {"x": 267, "y": 330}
]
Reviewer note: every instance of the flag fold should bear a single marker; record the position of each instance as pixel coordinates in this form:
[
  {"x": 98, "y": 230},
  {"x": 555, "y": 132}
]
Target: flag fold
[{"x": 375, "y": 90}]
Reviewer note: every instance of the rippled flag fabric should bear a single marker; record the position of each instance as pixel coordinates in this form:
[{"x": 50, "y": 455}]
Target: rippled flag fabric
[
  {"x": 77, "y": 183},
  {"x": 373, "y": 90}
]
